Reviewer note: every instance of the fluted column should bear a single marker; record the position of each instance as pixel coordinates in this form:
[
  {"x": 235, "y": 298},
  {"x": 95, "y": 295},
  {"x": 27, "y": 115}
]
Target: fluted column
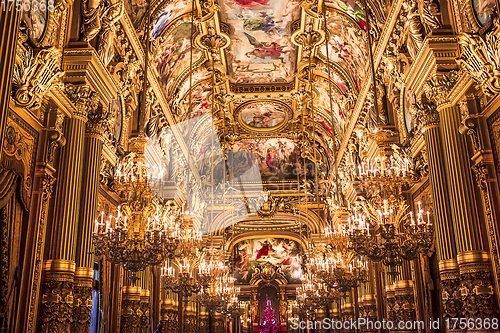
[
  {"x": 57, "y": 298},
  {"x": 84, "y": 274},
  {"x": 473, "y": 260},
  {"x": 426, "y": 114}
]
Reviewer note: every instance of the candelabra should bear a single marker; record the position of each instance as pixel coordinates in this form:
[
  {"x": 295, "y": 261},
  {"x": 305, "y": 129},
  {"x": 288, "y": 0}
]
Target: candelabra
[
  {"x": 143, "y": 232},
  {"x": 394, "y": 236},
  {"x": 217, "y": 286}
]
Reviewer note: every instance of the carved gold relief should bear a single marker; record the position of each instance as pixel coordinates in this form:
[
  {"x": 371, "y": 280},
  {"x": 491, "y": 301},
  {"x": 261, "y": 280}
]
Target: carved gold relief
[
  {"x": 480, "y": 56},
  {"x": 34, "y": 75}
]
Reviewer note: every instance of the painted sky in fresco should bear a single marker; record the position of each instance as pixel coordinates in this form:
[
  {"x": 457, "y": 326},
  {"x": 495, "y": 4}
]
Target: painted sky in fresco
[{"x": 261, "y": 50}]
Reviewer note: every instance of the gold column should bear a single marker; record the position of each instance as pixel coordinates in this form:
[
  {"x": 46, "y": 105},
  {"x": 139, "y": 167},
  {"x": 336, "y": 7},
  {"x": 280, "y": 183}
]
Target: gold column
[
  {"x": 9, "y": 27},
  {"x": 473, "y": 262},
  {"x": 84, "y": 275},
  {"x": 404, "y": 298},
  {"x": 57, "y": 299},
  {"x": 462, "y": 198},
  {"x": 131, "y": 310},
  {"x": 428, "y": 116},
  {"x": 144, "y": 307}
]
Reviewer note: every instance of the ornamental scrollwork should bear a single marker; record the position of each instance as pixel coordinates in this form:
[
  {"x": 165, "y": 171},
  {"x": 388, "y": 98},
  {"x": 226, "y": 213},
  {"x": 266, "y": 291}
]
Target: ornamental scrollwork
[
  {"x": 34, "y": 75},
  {"x": 480, "y": 57}
]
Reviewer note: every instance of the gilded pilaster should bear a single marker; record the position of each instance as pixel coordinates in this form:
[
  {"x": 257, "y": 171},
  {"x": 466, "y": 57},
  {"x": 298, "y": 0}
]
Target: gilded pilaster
[
  {"x": 428, "y": 116},
  {"x": 95, "y": 127},
  {"x": 9, "y": 25},
  {"x": 57, "y": 299}
]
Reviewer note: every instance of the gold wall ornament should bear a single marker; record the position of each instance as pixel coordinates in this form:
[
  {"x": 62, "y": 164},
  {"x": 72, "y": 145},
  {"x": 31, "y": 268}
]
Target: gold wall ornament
[
  {"x": 91, "y": 14},
  {"x": 438, "y": 88},
  {"x": 111, "y": 14},
  {"x": 413, "y": 27},
  {"x": 212, "y": 42},
  {"x": 308, "y": 39},
  {"x": 35, "y": 74},
  {"x": 480, "y": 57},
  {"x": 482, "y": 178},
  {"x": 83, "y": 98}
]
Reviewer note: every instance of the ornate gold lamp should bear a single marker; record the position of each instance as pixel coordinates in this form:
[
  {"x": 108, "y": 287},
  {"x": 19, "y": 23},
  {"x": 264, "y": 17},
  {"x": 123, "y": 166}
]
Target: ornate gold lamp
[
  {"x": 143, "y": 232},
  {"x": 390, "y": 234}
]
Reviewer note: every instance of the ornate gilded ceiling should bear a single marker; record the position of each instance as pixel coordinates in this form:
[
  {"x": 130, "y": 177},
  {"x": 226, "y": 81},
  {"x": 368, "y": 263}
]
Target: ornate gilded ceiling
[{"x": 251, "y": 67}]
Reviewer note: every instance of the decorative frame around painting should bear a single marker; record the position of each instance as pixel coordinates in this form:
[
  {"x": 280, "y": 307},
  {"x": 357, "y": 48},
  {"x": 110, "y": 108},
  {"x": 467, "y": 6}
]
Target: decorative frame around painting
[
  {"x": 472, "y": 14},
  {"x": 285, "y": 109}
]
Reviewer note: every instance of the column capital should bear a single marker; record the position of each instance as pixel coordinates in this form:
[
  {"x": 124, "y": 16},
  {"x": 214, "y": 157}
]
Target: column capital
[
  {"x": 426, "y": 114},
  {"x": 438, "y": 87},
  {"x": 83, "y": 98},
  {"x": 98, "y": 122}
]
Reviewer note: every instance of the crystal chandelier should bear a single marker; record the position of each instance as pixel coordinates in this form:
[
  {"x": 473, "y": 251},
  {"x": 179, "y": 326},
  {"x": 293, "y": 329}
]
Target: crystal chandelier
[{"x": 144, "y": 231}]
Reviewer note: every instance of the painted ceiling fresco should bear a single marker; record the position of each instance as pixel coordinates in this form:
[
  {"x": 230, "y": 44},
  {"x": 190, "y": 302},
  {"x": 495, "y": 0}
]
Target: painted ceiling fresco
[
  {"x": 261, "y": 50},
  {"x": 347, "y": 47},
  {"x": 263, "y": 115},
  {"x": 167, "y": 15},
  {"x": 278, "y": 159},
  {"x": 351, "y": 8},
  {"x": 173, "y": 54},
  {"x": 260, "y": 55},
  {"x": 250, "y": 254}
]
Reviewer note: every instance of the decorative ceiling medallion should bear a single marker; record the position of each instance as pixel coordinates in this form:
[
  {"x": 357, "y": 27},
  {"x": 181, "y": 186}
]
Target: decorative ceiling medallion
[{"x": 263, "y": 115}]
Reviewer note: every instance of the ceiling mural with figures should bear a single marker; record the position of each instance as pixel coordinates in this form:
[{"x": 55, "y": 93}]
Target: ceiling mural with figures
[
  {"x": 261, "y": 50},
  {"x": 247, "y": 73},
  {"x": 347, "y": 47}
]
